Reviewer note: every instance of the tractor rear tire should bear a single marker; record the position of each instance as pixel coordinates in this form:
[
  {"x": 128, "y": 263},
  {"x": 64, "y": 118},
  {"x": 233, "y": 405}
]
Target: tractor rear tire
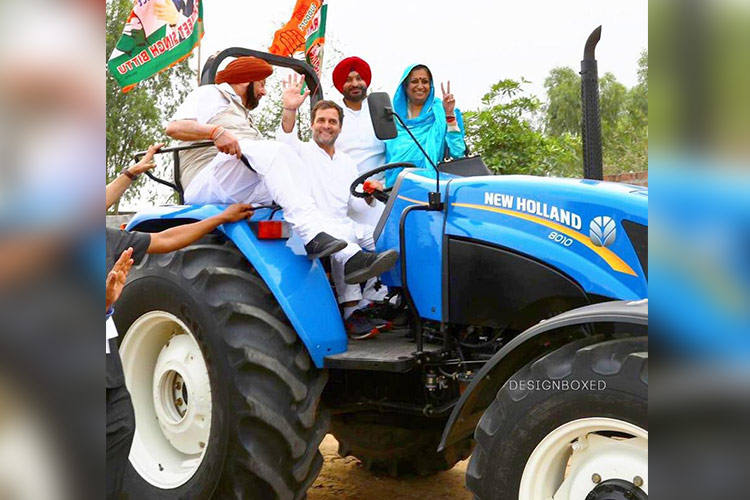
[
  {"x": 397, "y": 444},
  {"x": 254, "y": 383},
  {"x": 528, "y": 437}
]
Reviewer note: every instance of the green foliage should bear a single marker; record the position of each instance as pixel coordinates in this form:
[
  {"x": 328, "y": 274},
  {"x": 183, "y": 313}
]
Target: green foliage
[
  {"x": 624, "y": 115},
  {"x": 135, "y": 119},
  {"x": 563, "y": 108},
  {"x": 505, "y": 131},
  {"x": 502, "y": 131}
]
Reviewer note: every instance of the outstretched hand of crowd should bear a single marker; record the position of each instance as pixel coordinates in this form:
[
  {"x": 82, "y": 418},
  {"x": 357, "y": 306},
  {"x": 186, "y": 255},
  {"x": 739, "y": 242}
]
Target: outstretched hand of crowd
[
  {"x": 117, "y": 276},
  {"x": 147, "y": 162},
  {"x": 237, "y": 212}
]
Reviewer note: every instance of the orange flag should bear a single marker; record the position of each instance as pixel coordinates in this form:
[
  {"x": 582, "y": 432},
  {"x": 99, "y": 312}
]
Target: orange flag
[{"x": 291, "y": 38}]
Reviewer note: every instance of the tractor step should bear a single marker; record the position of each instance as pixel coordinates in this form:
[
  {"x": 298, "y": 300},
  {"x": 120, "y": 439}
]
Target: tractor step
[{"x": 388, "y": 352}]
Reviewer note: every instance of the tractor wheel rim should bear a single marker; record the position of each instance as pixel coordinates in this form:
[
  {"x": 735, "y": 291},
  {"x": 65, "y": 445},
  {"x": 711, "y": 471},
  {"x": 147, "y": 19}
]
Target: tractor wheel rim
[
  {"x": 572, "y": 459},
  {"x": 168, "y": 381}
]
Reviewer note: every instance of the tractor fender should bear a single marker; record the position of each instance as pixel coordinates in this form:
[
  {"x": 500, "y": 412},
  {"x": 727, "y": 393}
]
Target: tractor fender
[
  {"x": 628, "y": 318},
  {"x": 299, "y": 284}
]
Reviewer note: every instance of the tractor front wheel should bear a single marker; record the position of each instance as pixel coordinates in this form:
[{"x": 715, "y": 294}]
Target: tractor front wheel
[{"x": 225, "y": 394}]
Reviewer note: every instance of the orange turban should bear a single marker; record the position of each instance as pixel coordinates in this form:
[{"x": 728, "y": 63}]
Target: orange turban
[
  {"x": 342, "y": 70},
  {"x": 243, "y": 70}
]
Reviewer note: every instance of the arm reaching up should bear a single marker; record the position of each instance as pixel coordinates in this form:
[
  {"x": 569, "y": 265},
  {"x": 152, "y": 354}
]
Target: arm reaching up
[
  {"x": 292, "y": 98},
  {"x": 128, "y": 175}
]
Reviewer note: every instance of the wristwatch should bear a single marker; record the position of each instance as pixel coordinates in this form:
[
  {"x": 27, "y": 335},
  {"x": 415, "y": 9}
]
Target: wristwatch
[{"x": 127, "y": 173}]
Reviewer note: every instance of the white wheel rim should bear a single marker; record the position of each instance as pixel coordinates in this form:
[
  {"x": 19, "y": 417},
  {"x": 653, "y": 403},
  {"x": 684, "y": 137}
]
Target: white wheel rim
[
  {"x": 168, "y": 381},
  {"x": 569, "y": 462}
]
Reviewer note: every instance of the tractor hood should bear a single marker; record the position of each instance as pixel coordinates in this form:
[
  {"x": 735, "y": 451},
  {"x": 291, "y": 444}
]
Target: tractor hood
[{"x": 594, "y": 231}]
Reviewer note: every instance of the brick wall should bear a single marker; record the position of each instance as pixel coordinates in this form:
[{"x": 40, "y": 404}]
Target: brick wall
[
  {"x": 116, "y": 220},
  {"x": 636, "y": 178}
]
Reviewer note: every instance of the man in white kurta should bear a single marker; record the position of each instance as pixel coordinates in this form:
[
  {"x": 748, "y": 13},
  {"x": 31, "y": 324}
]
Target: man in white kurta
[
  {"x": 352, "y": 78},
  {"x": 218, "y": 175},
  {"x": 328, "y": 173}
]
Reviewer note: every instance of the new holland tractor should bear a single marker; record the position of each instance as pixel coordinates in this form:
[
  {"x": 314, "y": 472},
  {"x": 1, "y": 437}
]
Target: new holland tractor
[{"x": 523, "y": 342}]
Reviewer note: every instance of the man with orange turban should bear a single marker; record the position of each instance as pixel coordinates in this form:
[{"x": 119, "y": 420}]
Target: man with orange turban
[{"x": 218, "y": 174}]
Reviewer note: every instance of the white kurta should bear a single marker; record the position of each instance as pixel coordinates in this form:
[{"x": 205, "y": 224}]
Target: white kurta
[
  {"x": 327, "y": 180},
  {"x": 227, "y": 180},
  {"x": 358, "y": 140}
]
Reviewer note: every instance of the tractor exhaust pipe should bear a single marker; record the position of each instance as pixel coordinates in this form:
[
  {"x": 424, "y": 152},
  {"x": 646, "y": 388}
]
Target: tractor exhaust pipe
[{"x": 591, "y": 120}]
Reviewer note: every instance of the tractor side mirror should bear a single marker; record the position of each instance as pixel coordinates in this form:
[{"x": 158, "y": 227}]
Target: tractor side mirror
[{"x": 381, "y": 114}]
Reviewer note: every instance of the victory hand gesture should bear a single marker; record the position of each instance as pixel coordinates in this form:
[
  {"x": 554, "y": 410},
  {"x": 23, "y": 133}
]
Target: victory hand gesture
[
  {"x": 292, "y": 96},
  {"x": 449, "y": 102}
]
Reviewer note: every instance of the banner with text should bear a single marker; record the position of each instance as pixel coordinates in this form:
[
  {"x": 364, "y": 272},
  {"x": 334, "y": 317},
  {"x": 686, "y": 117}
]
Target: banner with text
[
  {"x": 292, "y": 36},
  {"x": 157, "y": 35},
  {"x": 315, "y": 39}
]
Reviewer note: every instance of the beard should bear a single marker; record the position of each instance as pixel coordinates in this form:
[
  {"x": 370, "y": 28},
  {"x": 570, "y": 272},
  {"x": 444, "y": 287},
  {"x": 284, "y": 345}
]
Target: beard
[
  {"x": 251, "y": 102},
  {"x": 329, "y": 141},
  {"x": 356, "y": 98}
]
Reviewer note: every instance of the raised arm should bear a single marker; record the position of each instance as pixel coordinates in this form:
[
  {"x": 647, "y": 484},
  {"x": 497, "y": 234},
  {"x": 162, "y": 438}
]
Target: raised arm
[
  {"x": 292, "y": 98},
  {"x": 455, "y": 137},
  {"x": 455, "y": 123},
  {"x": 128, "y": 175}
]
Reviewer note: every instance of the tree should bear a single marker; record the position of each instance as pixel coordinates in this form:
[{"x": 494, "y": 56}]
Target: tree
[
  {"x": 502, "y": 131},
  {"x": 637, "y": 99},
  {"x": 563, "y": 108},
  {"x": 135, "y": 119},
  {"x": 624, "y": 115}
]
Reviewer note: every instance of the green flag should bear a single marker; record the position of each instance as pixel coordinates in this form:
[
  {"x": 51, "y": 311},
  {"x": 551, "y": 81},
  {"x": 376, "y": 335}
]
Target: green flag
[
  {"x": 315, "y": 38},
  {"x": 157, "y": 35}
]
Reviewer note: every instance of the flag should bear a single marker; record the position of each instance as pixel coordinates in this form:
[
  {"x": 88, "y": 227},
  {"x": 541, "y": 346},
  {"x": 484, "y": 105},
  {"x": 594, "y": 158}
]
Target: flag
[
  {"x": 291, "y": 37},
  {"x": 315, "y": 38},
  {"x": 157, "y": 35}
]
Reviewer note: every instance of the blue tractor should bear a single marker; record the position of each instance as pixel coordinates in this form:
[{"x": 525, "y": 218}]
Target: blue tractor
[{"x": 524, "y": 342}]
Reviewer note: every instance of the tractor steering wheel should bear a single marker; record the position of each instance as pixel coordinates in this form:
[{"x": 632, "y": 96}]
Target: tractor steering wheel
[{"x": 378, "y": 195}]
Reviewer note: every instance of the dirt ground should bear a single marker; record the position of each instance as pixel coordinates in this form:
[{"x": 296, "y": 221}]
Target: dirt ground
[{"x": 346, "y": 479}]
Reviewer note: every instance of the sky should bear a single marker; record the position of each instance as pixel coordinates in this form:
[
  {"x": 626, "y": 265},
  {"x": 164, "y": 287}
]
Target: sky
[{"x": 472, "y": 43}]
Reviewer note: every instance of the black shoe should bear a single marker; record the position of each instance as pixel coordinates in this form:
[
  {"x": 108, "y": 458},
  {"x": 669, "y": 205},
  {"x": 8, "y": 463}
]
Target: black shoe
[
  {"x": 323, "y": 245},
  {"x": 362, "y": 266}
]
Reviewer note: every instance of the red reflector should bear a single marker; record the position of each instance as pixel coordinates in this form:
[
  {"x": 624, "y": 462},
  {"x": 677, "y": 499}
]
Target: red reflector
[{"x": 272, "y": 229}]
